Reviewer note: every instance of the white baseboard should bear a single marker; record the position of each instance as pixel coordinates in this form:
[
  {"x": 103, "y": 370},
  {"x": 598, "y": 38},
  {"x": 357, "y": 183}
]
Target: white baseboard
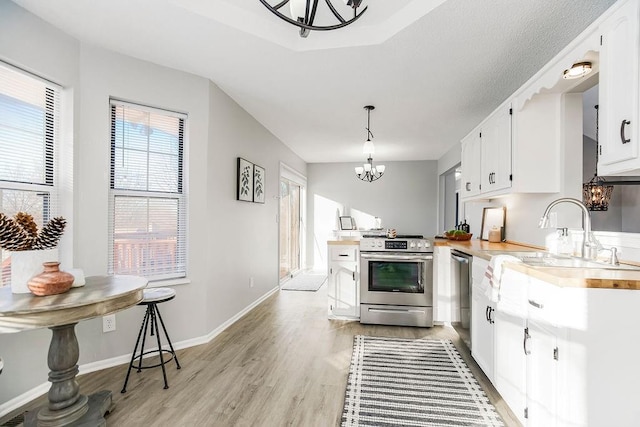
[{"x": 39, "y": 390}]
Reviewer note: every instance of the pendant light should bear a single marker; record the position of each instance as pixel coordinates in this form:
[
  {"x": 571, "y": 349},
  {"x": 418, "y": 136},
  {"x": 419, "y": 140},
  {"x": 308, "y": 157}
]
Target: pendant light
[
  {"x": 302, "y": 14},
  {"x": 368, "y": 171},
  {"x": 596, "y": 194}
]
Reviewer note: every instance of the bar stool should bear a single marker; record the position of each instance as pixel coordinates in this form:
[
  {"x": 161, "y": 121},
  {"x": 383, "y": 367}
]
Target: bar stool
[{"x": 151, "y": 298}]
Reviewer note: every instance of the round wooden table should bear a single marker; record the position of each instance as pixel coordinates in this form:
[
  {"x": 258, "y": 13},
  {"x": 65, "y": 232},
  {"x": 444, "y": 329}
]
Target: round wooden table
[{"x": 101, "y": 295}]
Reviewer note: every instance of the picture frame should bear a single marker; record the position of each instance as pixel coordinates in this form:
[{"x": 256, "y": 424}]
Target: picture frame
[
  {"x": 493, "y": 217},
  {"x": 346, "y": 223},
  {"x": 258, "y": 184},
  {"x": 244, "y": 190}
]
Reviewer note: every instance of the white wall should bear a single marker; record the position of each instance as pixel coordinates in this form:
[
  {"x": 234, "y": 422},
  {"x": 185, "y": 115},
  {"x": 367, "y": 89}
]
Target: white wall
[
  {"x": 229, "y": 241},
  {"x": 405, "y": 198}
]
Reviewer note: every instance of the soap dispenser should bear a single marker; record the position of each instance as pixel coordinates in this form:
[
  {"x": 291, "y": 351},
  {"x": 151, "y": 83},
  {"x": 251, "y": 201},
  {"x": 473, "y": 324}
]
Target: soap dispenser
[{"x": 565, "y": 246}]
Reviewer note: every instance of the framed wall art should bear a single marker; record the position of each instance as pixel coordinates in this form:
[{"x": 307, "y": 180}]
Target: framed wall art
[
  {"x": 245, "y": 180},
  {"x": 493, "y": 217},
  {"x": 258, "y": 184}
]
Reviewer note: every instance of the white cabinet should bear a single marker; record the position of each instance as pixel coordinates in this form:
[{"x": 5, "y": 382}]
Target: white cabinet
[
  {"x": 482, "y": 320},
  {"x": 343, "y": 281},
  {"x": 510, "y": 345},
  {"x": 486, "y": 155},
  {"x": 470, "y": 177},
  {"x": 542, "y": 374},
  {"x": 495, "y": 166},
  {"x": 619, "y": 92}
]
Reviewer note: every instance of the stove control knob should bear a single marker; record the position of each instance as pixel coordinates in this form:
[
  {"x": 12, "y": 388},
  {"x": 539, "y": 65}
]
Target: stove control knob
[
  {"x": 379, "y": 244},
  {"x": 419, "y": 244},
  {"x": 412, "y": 245}
]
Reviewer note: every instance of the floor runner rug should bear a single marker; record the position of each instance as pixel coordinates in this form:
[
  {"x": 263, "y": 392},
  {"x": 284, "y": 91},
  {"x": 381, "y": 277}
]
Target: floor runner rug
[
  {"x": 305, "y": 282},
  {"x": 413, "y": 382}
]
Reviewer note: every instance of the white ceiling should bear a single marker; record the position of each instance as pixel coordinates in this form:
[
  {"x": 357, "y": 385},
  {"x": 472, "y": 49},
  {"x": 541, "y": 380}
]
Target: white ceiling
[{"x": 432, "y": 68}]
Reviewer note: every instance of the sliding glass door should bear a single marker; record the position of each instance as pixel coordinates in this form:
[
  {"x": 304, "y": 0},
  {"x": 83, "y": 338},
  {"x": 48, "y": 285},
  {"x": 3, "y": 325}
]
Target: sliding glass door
[{"x": 290, "y": 214}]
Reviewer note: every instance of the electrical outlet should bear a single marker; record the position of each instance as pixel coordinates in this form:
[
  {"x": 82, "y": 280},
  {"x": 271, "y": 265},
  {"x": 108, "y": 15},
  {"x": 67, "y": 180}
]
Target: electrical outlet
[
  {"x": 251, "y": 282},
  {"x": 109, "y": 323}
]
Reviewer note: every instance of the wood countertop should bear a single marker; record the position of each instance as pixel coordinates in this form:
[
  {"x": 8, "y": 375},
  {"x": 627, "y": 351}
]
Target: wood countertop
[
  {"x": 345, "y": 242},
  {"x": 571, "y": 277}
]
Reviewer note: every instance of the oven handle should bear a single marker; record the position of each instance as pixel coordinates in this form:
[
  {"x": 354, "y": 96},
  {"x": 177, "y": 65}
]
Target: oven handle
[
  {"x": 401, "y": 257},
  {"x": 395, "y": 310}
]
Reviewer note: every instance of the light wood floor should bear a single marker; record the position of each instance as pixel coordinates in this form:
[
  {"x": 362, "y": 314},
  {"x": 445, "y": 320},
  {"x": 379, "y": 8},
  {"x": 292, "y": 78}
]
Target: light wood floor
[{"x": 283, "y": 364}]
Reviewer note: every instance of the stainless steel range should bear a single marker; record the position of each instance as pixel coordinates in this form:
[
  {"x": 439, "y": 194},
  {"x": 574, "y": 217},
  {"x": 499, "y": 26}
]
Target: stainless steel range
[{"x": 396, "y": 281}]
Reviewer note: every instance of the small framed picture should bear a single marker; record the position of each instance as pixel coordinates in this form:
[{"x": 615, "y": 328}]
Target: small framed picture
[
  {"x": 346, "y": 223},
  {"x": 245, "y": 180},
  {"x": 493, "y": 217},
  {"x": 258, "y": 184}
]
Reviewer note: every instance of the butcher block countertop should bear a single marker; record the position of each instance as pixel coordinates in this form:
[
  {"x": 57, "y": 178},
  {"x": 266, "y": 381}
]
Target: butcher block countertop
[
  {"x": 602, "y": 278},
  {"x": 345, "y": 242}
]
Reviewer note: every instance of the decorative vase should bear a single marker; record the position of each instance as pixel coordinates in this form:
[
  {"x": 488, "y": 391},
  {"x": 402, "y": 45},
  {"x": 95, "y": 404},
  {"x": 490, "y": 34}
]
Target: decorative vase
[
  {"x": 51, "y": 281},
  {"x": 26, "y": 264}
]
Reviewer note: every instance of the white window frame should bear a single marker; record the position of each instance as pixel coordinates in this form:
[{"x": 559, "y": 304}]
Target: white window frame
[
  {"x": 53, "y": 146},
  {"x": 179, "y": 274}
]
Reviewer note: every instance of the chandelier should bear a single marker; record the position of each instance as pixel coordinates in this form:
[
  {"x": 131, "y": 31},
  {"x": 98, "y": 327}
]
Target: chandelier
[
  {"x": 596, "y": 194},
  {"x": 302, "y": 13},
  {"x": 369, "y": 172}
]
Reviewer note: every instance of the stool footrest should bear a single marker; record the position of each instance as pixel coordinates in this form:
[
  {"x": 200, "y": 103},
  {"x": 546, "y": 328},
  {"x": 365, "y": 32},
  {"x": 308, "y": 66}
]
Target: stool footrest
[{"x": 164, "y": 362}]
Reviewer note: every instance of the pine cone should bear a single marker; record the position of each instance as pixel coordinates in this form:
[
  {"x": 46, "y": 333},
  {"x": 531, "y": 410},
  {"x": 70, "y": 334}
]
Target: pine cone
[
  {"x": 12, "y": 236},
  {"x": 27, "y": 223},
  {"x": 50, "y": 234}
]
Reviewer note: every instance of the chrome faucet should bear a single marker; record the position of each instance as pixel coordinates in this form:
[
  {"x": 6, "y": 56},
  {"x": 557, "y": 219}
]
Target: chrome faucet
[{"x": 590, "y": 245}]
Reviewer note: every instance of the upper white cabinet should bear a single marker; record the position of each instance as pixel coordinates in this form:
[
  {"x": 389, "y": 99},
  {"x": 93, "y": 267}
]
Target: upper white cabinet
[
  {"x": 512, "y": 152},
  {"x": 619, "y": 94},
  {"x": 486, "y": 156},
  {"x": 471, "y": 150},
  {"x": 495, "y": 135}
]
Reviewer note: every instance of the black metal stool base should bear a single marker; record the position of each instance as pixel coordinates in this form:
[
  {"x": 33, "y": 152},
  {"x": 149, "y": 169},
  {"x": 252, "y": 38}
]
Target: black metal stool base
[{"x": 151, "y": 317}]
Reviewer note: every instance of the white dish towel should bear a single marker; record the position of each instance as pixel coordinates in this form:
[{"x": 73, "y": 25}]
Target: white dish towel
[{"x": 493, "y": 275}]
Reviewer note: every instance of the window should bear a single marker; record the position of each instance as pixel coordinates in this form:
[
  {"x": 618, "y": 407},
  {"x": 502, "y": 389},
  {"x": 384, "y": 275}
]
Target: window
[
  {"x": 147, "y": 224},
  {"x": 29, "y": 141}
]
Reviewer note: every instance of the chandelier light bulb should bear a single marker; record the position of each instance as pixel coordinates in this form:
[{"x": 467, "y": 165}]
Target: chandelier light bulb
[
  {"x": 367, "y": 167},
  {"x": 359, "y": 170},
  {"x": 381, "y": 168},
  {"x": 298, "y": 8},
  {"x": 368, "y": 148}
]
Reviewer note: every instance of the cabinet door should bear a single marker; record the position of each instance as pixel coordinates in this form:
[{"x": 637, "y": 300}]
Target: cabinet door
[
  {"x": 482, "y": 312},
  {"x": 343, "y": 289},
  {"x": 471, "y": 148},
  {"x": 496, "y": 151},
  {"x": 510, "y": 335},
  {"x": 618, "y": 135},
  {"x": 542, "y": 374}
]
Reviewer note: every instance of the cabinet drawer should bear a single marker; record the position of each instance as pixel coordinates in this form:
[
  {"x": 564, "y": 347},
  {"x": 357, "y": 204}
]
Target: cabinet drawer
[
  {"x": 543, "y": 300},
  {"x": 344, "y": 254}
]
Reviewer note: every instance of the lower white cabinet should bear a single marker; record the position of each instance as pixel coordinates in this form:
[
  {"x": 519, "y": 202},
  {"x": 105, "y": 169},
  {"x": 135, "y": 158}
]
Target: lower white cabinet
[
  {"x": 482, "y": 320},
  {"x": 511, "y": 347},
  {"x": 343, "y": 281},
  {"x": 565, "y": 356},
  {"x": 542, "y": 374}
]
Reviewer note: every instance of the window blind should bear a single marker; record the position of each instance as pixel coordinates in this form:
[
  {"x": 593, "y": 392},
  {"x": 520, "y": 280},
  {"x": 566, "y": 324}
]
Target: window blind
[
  {"x": 147, "y": 224},
  {"x": 29, "y": 138}
]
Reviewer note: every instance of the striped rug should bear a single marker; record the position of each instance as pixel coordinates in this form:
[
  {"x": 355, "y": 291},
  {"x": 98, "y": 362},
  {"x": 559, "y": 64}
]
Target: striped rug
[{"x": 405, "y": 382}]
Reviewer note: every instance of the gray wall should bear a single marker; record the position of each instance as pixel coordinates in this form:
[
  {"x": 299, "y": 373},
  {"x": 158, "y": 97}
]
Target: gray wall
[
  {"x": 405, "y": 198},
  {"x": 220, "y": 263}
]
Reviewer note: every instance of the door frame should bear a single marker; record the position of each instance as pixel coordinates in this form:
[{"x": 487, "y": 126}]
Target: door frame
[{"x": 290, "y": 174}]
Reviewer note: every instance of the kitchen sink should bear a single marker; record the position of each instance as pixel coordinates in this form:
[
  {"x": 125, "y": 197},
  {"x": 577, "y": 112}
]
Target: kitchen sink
[{"x": 546, "y": 259}]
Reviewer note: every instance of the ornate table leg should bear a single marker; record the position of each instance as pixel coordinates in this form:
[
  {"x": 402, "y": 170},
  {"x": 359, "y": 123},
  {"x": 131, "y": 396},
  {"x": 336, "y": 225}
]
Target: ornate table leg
[{"x": 66, "y": 404}]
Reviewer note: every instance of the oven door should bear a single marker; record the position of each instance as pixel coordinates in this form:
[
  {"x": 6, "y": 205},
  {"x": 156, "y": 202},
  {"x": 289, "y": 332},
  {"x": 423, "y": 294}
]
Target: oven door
[{"x": 396, "y": 279}]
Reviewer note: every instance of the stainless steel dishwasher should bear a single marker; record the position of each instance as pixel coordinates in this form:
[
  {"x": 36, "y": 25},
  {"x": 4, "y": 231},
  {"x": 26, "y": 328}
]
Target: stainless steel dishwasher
[{"x": 461, "y": 280}]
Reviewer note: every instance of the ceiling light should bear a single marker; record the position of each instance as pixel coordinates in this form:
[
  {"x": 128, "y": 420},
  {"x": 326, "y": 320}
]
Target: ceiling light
[
  {"x": 368, "y": 172},
  {"x": 577, "y": 70},
  {"x": 302, "y": 14}
]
